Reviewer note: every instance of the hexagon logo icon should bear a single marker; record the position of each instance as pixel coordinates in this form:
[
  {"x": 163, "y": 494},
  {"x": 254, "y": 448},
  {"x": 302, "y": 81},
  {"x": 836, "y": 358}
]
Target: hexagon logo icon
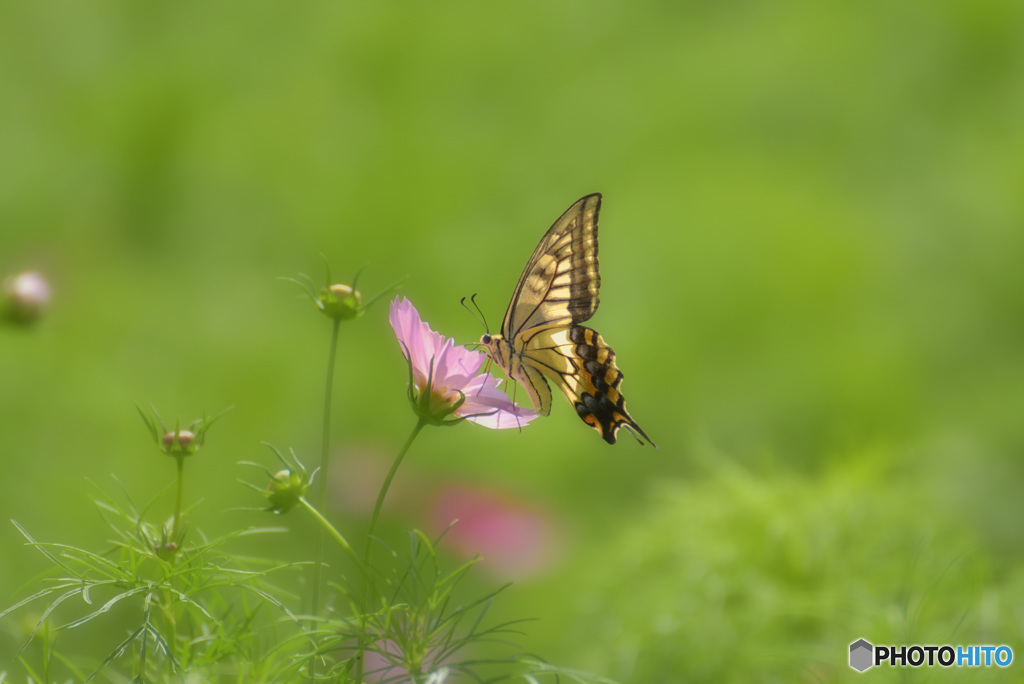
[{"x": 861, "y": 655}]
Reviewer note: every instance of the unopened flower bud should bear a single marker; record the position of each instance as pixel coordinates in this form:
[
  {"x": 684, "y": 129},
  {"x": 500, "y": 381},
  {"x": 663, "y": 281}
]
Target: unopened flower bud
[
  {"x": 341, "y": 302},
  {"x": 27, "y": 295},
  {"x": 166, "y": 551},
  {"x": 285, "y": 490},
  {"x": 178, "y": 442},
  {"x": 182, "y": 442}
]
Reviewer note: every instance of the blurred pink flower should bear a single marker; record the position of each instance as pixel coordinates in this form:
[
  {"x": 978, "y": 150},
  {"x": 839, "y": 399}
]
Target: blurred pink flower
[
  {"x": 513, "y": 539},
  {"x": 445, "y": 380}
]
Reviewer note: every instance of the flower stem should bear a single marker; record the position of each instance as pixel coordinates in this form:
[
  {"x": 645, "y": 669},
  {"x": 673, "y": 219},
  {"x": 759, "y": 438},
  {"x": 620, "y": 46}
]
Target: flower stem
[
  {"x": 169, "y": 599},
  {"x": 175, "y": 521},
  {"x": 325, "y": 447},
  {"x": 330, "y": 529},
  {"x": 384, "y": 490},
  {"x": 368, "y": 553},
  {"x": 321, "y": 495}
]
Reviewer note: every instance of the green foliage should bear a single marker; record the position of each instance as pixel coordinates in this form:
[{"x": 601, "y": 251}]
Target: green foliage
[
  {"x": 209, "y": 613},
  {"x": 201, "y": 610},
  {"x": 747, "y": 577}
]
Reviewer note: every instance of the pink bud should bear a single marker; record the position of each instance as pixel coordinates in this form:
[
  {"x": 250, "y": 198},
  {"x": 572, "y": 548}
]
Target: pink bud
[
  {"x": 185, "y": 440},
  {"x": 28, "y": 294}
]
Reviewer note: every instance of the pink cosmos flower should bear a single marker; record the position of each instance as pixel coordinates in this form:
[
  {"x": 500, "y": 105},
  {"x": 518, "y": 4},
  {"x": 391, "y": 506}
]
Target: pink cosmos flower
[{"x": 444, "y": 378}]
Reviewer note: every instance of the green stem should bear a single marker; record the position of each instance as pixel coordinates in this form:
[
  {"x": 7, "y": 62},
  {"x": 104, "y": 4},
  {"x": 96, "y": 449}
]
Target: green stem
[
  {"x": 321, "y": 495},
  {"x": 330, "y": 529},
  {"x": 172, "y": 625},
  {"x": 169, "y": 599},
  {"x": 177, "y": 506},
  {"x": 384, "y": 490},
  {"x": 368, "y": 553}
]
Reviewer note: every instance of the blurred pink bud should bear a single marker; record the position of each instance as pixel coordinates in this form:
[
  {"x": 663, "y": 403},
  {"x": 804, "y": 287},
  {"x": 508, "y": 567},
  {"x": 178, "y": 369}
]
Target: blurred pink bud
[{"x": 27, "y": 295}]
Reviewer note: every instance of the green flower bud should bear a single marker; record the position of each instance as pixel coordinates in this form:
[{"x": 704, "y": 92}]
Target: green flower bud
[
  {"x": 337, "y": 301},
  {"x": 285, "y": 490},
  {"x": 341, "y": 302}
]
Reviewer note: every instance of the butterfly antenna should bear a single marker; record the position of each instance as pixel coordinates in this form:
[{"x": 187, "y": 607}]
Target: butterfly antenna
[
  {"x": 478, "y": 314},
  {"x": 481, "y": 312}
]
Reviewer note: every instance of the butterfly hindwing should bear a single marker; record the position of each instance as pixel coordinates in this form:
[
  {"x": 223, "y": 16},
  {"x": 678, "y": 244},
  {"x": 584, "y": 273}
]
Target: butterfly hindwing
[
  {"x": 532, "y": 379},
  {"x": 541, "y": 338},
  {"x": 598, "y": 400},
  {"x": 583, "y": 366}
]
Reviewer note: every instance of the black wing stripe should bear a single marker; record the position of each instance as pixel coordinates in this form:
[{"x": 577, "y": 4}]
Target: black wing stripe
[
  {"x": 540, "y": 302},
  {"x": 581, "y": 306}
]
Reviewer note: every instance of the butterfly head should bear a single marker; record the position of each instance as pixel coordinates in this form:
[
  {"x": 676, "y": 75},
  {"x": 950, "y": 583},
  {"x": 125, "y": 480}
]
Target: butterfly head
[{"x": 495, "y": 346}]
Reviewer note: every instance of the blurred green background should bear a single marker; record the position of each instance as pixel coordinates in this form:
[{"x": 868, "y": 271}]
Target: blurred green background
[{"x": 811, "y": 249}]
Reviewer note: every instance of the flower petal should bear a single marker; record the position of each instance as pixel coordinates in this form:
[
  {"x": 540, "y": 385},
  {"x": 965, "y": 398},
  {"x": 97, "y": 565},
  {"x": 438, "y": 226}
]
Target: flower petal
[
  {"x": 419, "y": 343},
  {"x": 460, "y": 365},
  {"x": 488, "y": 406}
]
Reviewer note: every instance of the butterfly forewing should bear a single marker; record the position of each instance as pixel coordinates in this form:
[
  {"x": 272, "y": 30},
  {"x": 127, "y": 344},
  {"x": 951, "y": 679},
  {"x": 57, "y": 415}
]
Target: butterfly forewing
[{"x": 560, "y": 283}]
